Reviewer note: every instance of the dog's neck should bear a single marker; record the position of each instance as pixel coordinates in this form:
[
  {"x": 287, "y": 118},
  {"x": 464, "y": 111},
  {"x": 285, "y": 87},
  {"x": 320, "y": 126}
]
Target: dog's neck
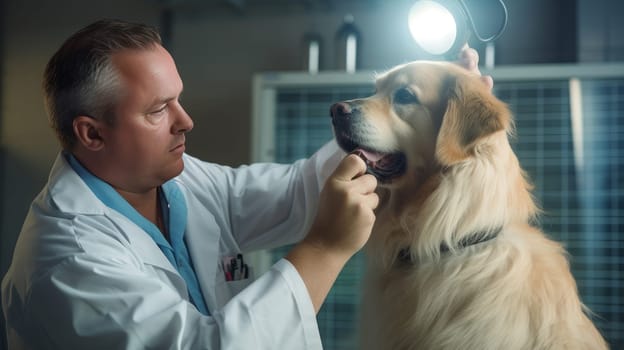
[
  {"x": 406, "y": 256},
  {"x": 451, "y": 206}
]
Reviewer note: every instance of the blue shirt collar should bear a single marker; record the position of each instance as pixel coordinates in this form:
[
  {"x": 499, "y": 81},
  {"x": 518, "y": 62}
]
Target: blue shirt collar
[
  {"x": 173, "y": 206},
  {"x": 172, "y": 203}
]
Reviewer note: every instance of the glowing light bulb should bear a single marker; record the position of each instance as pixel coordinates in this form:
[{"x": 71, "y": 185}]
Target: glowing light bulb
[{"x": 432, "y": 26}]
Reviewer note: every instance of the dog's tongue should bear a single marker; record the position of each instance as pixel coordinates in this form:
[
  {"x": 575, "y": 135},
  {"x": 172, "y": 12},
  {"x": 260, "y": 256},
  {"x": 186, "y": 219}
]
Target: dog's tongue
[
  {"x": 368, "y": 155},
  {"x": 382, "y": 166}
]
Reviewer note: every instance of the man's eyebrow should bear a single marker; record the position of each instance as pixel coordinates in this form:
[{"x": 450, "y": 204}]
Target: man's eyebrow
[{"x": 161, "y": 100}]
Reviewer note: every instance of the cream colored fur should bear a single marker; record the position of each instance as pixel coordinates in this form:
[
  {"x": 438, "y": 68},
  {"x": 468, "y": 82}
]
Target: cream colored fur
[{"x": 513, "y": 292}]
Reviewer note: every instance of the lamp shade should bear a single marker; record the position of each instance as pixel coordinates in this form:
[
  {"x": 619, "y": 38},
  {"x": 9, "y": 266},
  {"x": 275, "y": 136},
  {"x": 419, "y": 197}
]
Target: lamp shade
[
  {"x": 438, "y": 27},
  {"x": 442, "y": 27}
]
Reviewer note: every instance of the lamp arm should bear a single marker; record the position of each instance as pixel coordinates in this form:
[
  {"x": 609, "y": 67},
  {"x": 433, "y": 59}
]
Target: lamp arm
[{"x": 474, "y": 29}]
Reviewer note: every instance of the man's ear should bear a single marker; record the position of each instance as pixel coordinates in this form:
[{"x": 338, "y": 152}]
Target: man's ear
[{"x": 88, "y": 132}]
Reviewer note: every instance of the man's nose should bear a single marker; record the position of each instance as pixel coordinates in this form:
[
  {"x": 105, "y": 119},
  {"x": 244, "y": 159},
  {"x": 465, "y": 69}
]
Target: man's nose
[{"x": 183, "y": 123}]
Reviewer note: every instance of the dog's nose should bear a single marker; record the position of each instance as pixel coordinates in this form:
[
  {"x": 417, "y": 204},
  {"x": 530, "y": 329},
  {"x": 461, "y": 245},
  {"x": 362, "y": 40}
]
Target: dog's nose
[{"x": 340, "y": 109}]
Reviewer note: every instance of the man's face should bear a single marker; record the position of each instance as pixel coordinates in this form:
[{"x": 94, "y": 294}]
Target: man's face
[{"x": 145, "y": 142}]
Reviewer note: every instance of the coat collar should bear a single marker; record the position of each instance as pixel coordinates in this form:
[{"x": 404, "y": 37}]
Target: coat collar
[
  {"x": 64, "y": 184},
  {"x": 71, "y": 195}
]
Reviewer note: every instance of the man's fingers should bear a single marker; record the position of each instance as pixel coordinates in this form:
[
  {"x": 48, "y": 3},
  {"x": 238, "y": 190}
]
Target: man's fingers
[
  {"x": 469, "y": 59},
  {"x": 372, "y": 200},
  {"x": 488, "y": 81},
  {"x": 367, "y": 183},
  {"x": 350, "y": 167}
]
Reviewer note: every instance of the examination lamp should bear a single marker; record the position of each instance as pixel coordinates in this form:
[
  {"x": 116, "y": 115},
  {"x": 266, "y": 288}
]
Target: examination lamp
[{"x": 442, "y": 27}]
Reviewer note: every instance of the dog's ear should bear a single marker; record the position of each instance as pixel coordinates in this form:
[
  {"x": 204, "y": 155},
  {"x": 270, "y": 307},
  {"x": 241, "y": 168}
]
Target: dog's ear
[{"x": 472, "y": 112}]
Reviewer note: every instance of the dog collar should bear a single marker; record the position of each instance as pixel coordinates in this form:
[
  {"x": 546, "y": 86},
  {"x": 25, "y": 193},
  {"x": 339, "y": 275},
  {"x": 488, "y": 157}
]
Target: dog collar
[{"x": 473, "y": 239}]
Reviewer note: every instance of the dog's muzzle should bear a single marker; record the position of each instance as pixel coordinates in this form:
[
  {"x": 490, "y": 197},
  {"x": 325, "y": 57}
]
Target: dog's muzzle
[{"x": 346, "y": 119}]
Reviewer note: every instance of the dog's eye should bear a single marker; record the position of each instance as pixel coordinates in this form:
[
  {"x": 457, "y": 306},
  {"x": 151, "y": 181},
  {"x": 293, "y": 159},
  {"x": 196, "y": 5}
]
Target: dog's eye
[{"x": 405, "y": 96}]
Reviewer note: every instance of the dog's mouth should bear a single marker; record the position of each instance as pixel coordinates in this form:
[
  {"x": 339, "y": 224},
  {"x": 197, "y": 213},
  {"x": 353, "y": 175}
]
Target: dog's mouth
[{"x": 384, "y": 166}]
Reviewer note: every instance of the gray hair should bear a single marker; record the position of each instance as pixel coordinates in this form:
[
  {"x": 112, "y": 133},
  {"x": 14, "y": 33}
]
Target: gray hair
[{"x": 80, "y": 78}]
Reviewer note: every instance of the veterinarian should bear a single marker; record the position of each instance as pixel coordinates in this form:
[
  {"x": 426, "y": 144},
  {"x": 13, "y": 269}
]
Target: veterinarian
[{"x": 134, "y": 244}]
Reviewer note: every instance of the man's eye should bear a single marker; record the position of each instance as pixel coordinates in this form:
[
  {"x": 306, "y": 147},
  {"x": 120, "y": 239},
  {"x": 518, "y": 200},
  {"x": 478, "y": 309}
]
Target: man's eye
[
  {"x": 159, "y": 111},
  {"x": 405, "y": 96}
]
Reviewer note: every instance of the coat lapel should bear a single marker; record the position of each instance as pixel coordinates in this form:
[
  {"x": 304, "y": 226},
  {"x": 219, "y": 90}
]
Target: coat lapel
[
  {"x": 71, "y": 195},
  {"x": 203, "y": 244}
]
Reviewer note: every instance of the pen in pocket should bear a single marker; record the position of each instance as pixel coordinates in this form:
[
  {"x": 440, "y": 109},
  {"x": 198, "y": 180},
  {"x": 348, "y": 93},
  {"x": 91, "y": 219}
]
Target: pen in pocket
[{"x": 235, "y": 268}]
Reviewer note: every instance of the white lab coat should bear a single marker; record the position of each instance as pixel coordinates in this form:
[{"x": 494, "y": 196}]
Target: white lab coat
[{"x": 83, "y": 276}]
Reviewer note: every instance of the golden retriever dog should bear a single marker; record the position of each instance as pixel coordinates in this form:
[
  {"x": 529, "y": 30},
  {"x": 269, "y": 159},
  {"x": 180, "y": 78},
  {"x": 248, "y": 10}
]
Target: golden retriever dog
[{"x": 454, "y": 261}]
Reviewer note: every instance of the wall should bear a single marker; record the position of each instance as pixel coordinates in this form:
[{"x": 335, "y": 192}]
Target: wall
[
  {"x": 601, "y": 24},
  {"x": 539, "y": 32}
]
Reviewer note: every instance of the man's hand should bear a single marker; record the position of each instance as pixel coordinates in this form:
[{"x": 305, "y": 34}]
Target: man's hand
[
  {"x": 469, "y": 59},
  {"x": 345, "y": 217},
  {"x": 342, "y": 227}
]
